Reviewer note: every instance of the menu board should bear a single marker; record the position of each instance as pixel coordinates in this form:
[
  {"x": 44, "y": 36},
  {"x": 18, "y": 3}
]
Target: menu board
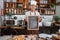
[{"x": 32, "y": 23}]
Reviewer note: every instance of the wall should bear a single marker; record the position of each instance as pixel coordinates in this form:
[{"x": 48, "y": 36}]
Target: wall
[
  {"x": 57, "y": 1},
  {"x": 58, "y": 9},
  {"x": 1, "y": 4},
  {"x": 1, "y": 7}
]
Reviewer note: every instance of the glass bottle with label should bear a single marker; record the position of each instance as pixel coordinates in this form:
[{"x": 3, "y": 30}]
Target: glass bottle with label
[
  {"x": 13, "y": 5},
  {"x": 14, "y": 11},
  {"x": 7, "y": 11},
  {"x": 7, "y": 5}
]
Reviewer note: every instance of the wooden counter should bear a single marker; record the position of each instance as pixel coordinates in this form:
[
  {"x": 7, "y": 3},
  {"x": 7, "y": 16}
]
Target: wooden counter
[
  {"x": 56, "y": 38},
  {"x": 3, "y": 27},
  {"x": 12, "y": 27}
]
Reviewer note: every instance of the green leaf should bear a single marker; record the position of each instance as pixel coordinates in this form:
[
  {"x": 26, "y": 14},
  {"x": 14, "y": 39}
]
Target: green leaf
[
  {"x": 52, "y": 5},
  {"x": 56, "y": 18}
]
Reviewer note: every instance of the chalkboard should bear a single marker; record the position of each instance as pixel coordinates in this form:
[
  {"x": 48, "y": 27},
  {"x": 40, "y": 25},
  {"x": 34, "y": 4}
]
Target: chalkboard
[{"x": 32, "y": 23}]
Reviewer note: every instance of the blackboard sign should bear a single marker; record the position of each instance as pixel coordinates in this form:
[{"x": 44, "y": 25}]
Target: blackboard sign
[{"x": 33, "y": 23}]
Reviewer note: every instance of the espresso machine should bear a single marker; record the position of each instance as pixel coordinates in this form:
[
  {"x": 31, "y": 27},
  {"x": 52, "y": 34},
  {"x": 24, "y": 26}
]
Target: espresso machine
[{"x": 20, "y": 20}]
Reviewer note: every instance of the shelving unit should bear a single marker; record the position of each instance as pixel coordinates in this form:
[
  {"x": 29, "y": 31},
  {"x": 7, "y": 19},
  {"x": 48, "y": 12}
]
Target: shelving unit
[
  {"x": 43, "y": 6},
  {"x": 15, "y": 7},
  {"x": 11, "y": 7}
]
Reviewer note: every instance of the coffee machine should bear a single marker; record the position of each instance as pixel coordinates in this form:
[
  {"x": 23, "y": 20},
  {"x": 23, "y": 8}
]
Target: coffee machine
[{"x": 20, "y": 20}]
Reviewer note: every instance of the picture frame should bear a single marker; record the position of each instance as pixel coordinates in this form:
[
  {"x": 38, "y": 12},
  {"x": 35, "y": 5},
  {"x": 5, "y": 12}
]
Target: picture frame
[{"x": 32, "y": 23}]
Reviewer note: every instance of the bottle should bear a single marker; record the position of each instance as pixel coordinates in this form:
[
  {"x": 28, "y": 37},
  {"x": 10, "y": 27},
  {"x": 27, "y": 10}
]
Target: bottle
[
  {"x": 14, "y": 11},
  {"x": 7, "y": 10},
  {"x": 20, "y": 11},
  {"x": 13, "y": 5},
  {"x": 7, "y": 4},
  {"x": 2, "y": 12}
]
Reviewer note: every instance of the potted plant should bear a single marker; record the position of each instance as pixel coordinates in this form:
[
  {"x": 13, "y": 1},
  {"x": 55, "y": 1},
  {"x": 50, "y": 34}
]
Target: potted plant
[
  {"x": 56, "y": 18},
  {"x": 53, "y": 5}
]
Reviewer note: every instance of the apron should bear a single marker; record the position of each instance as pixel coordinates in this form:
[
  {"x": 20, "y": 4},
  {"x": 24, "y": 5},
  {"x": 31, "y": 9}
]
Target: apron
[
  {"x": 33, "y": 27},
  {"x": 34, "y": 12},
  {"x": 33, "y": 22}
]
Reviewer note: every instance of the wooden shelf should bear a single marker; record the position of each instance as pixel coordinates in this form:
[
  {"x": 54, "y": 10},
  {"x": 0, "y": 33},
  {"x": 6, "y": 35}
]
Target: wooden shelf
[
  {"x": 12, "y": 7},
  {"x": 25, "y": 3},
  {"x": 43, "y": 4},
  {"x": 46, "y": 6},
  {"x": 46, "y": 14}
]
